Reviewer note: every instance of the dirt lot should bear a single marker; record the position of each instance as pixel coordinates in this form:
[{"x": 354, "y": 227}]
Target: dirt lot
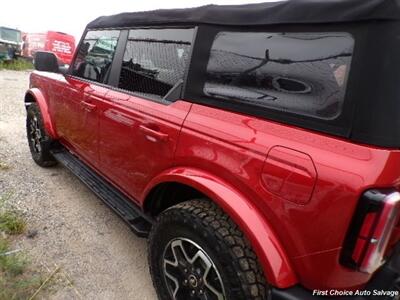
[{"x": 75, "y": 231}]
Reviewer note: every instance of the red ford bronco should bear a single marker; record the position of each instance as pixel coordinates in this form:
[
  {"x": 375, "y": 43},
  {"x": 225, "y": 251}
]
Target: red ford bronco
[{"x": 257, "y": 146}]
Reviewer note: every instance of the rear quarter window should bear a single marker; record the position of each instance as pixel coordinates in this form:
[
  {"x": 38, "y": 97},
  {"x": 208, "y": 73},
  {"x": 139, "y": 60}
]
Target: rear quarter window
[{"x": 302, "y": 73}]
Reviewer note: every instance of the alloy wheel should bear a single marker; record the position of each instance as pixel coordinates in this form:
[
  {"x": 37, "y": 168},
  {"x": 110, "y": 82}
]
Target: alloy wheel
[
  {"x": 190, "y": 273},
  {"x": 35, "y": 134}
]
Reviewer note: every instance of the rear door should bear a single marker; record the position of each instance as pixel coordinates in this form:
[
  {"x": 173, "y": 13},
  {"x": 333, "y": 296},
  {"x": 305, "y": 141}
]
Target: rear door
[{"x": 141, "y": 120}]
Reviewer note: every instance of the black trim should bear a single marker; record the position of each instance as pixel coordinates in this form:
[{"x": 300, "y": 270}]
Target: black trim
[
  {"x": 116, "y": 66},
  {"x": 185, "y": 77},
  {"x": 175, "y": 92},
  {"x": 71, "y": 66},
  {"x": 132, "y": 214}
]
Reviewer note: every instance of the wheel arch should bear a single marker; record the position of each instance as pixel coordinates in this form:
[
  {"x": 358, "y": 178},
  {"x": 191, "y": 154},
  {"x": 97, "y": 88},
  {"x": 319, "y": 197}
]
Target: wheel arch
[
  {"x": 34, "y": 95},
  {"x": 271, "y": 254}
]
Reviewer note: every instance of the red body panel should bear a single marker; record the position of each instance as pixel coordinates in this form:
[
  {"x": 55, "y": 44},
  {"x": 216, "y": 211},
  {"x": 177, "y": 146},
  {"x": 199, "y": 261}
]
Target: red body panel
[
  {"x": 42, "y": 101},
  {"x": 76, "y": 117},
  {"x": 276, "y": 265},
  {"x": 137, "y": 139},
  {"x": 289, "y": 174},
  {"x": 293, "y": 192},
  {"x": 235, "y": 147}
]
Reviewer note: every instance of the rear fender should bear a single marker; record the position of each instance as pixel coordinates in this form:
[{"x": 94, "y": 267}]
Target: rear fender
[
  {"x": 271, "y": 254},
  {"x": 38, "y": 97}
]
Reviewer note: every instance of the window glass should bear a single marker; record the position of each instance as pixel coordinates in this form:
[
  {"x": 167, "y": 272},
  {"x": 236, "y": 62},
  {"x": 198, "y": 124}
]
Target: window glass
[
  {"x": 303, "y": 73},
  {"x": 155, "y": 60},
  {"x": 95, "y": 55},
  {"x": 11, "y": 35}
]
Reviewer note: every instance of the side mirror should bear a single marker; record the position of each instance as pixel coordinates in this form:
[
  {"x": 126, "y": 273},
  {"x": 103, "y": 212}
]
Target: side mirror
[
  {"x": 63, "y": 69},
  {"x": 46, "y": 61}
]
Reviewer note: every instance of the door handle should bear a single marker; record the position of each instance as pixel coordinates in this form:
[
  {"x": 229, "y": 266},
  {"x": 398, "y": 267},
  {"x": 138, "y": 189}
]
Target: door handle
[
  {"x": 88, "y": 106},
  {"x": 153, "y": 134}
]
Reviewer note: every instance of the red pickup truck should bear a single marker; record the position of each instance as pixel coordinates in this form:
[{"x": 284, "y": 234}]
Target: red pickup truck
[{"x": 257, "y": 146}]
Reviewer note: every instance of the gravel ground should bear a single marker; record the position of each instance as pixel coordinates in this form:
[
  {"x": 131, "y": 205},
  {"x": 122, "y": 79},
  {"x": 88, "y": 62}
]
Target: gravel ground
[{"x": 75, "y": 230}]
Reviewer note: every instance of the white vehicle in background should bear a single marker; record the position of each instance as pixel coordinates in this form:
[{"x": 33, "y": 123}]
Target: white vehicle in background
[{"x": 10, "y": 43}]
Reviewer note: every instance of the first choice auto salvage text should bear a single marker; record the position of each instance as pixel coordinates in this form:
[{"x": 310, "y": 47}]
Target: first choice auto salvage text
[{"x": 333, "y": 292}]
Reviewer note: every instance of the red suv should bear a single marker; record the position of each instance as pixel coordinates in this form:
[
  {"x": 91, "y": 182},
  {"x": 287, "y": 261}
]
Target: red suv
[{"x": 257, "y": 146}]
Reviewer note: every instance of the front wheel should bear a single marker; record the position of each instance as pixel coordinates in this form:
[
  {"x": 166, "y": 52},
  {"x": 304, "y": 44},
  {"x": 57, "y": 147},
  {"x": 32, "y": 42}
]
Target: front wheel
[
  {"x": 197, "y": 252},
  {"x": 38, "y": 140}
]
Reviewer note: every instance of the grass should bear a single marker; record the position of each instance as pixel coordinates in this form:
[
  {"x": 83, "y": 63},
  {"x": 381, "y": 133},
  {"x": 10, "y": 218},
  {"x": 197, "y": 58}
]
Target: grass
[
  {"x": 16, "y": 65},
  {"x": 12, "y": 264},
  {"x": 11, "y": 223},
  {"x": 18, "y": 280},
  {"x": 4, "y": 198}
]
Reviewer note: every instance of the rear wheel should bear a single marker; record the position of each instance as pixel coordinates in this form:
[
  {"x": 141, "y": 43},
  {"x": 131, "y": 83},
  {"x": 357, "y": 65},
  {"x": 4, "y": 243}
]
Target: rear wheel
[
  {"x": 38, "y": 140},
  {"x": 197, "y": 252}
]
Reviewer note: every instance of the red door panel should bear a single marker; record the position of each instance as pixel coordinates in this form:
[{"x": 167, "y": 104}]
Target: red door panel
[
  {"x": 77, "y": 117},
  {"x": 67, "y": 110}
]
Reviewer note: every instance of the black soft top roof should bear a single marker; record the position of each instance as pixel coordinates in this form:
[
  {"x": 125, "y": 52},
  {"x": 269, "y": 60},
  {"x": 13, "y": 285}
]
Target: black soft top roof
[{"x": 283, "y": 12}]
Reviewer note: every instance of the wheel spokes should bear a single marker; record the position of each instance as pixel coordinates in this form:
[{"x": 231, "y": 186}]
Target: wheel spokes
[
  {"x": 190, "y": 273},
  {"x": 209, "y": 265},
  {"x": 179, "y": 252},
  {"x": 35, "y": 134},
  {"x": 175, "y": 281}
]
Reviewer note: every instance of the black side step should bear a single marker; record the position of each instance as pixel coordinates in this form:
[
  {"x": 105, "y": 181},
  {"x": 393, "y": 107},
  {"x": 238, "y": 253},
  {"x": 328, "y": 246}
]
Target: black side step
[{"x": 139, "y": 222}]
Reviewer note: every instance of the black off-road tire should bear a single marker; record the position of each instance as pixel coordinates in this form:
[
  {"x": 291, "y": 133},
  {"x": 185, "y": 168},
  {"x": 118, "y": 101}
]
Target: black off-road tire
[
  {"x": 39, "y": 141},
  {"x": 205, "y": 224}
]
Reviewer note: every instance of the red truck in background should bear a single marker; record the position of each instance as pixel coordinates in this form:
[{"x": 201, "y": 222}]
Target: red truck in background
[{"x": 61, "y": 44}]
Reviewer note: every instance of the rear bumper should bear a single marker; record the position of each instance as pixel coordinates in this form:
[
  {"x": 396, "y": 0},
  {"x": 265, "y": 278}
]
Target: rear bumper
[{"x": 387, "y": 279}]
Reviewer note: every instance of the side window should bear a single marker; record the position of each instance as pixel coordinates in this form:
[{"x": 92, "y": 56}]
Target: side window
[
  {"x": 95, "y": 55},
  {"x": 155, "y": 60},
  {"x": 303, "y": 73}
]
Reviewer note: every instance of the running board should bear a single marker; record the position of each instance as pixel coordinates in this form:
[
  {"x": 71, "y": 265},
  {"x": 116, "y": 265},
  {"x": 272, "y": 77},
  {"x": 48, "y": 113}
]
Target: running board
[{"x": 139, "y": 222}]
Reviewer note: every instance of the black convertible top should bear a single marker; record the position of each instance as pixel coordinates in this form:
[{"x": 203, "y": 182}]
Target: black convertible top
[
  {"x": 370, "y": 112},
  {"x": 283, "y": 12}
]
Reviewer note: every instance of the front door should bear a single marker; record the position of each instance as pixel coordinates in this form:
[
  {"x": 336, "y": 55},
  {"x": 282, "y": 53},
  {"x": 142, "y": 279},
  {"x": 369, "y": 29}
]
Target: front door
[
  {"x": 77, "y": 112},
  {"x": 140, "y": 121}
]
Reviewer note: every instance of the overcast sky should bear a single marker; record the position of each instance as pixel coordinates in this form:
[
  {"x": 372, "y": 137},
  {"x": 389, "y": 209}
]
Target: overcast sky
[{"x": 71, "y": 16}]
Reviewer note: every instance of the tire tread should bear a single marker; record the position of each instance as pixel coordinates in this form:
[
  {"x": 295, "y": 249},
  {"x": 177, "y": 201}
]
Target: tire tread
[
  {"x": 45, "y": 159},
  {"x": 208, "y": 217}
]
